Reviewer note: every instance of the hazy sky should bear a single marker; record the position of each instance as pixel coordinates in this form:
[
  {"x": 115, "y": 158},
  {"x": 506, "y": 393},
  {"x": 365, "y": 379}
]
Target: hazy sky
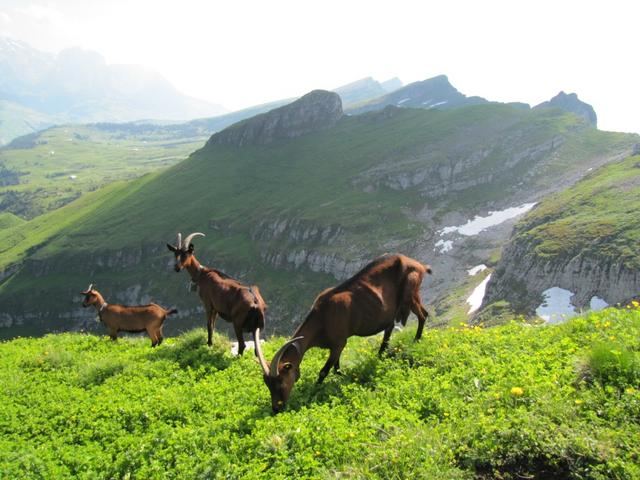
[{"x": 241, "y": 53}]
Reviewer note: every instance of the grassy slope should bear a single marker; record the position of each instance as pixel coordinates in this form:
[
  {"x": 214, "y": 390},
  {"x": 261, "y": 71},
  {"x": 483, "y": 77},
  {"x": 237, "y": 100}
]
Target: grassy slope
[
  {"x": 597, "y": 218},
  {"x": 95, "y": 156},
  {"x": 507, "y": 402},
  {"x": 227, "y": 193}
]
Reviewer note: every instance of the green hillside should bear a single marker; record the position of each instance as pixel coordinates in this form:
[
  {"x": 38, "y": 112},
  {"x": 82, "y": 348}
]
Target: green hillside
[
  {"x": 299, "y": 212},
  {"x": 583, "y": 239},
  {"x": 598, "y": 217},
  {"x": 508, "y": 402},
  {"x": 43, "y": 171}
]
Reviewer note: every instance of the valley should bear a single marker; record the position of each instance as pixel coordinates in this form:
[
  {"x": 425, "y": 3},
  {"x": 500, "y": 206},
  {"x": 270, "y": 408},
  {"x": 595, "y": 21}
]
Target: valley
[{"x": 299, "y": 198}]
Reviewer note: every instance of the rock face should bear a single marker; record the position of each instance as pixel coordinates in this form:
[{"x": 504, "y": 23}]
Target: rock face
[
  {"x": 571, "y": 103},
  {"x": 315, "y": 111},
  {"x": 521, "y": 277}
]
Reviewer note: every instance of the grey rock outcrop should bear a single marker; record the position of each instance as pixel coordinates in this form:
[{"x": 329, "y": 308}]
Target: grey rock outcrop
[
  {"x": 570, "y": 103},
  {"x": 314, "y": 111},
  {"x": 521, "y": 277}
]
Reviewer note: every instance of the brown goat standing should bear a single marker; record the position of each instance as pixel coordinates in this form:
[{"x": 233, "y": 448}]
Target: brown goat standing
[
  {"x": 383, "y": 292},
  {"x": 119, "y": 318},
  {"x": 239, "y": 304}
]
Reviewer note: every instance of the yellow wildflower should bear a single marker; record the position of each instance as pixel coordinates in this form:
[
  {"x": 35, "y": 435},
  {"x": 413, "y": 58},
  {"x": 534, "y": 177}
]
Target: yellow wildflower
[
  {"x": 578, "y": 402},
  {"x": 630, "y": 390},
  {"x": 517, "y": 391}
]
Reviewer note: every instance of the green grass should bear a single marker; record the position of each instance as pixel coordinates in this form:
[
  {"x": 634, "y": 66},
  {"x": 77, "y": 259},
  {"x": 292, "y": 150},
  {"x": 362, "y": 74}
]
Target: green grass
[
  {"x": 46, "y": 162},
  {"x": 597, "y": 218},
  {"x": 9, "y": 220},
  {"x": 508, "y": 402}
]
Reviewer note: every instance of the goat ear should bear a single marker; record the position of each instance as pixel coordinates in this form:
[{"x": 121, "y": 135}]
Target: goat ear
[{"x": 171, "y": 248}]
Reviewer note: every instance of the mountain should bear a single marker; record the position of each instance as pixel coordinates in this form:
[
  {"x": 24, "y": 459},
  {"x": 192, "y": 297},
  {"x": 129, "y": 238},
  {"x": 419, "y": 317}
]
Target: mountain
[
  {"x": 366, "y": 89},
  {"x": 434, "y": 92},
  {"x": 298, "y": 213},
  {"x": 314, "y": 111},
  {"x": 78, "y": 86},
  {"x": 571, "y": 103},
  {"x": 581, "y": 240}
]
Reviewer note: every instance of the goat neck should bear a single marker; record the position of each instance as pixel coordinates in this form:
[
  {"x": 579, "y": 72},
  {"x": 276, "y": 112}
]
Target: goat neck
[{"x": 194, "y": 268}]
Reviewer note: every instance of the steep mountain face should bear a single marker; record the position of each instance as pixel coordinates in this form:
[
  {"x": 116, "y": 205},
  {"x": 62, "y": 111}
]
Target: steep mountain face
[
  {"x": 582, "y": 240},
  {"x": 295, "y": 213},
  {"x": 434, "y": 92},
  {"x": 315, "y": 111},
  {"x": 571, "y": 103},
  {"x": 78, "y": 86}
]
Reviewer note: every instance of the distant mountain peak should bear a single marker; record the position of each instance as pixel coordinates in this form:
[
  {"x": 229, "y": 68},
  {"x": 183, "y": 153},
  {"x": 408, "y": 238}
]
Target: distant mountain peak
[
  {"x": 435, "y": 92},
  {"x": 571, "y": 103},
  {"x": 317, "y": 110}
]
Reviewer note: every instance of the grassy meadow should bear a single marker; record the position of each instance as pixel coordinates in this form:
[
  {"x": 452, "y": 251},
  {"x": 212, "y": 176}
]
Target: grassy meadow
[{"x": 507, "y": 402}]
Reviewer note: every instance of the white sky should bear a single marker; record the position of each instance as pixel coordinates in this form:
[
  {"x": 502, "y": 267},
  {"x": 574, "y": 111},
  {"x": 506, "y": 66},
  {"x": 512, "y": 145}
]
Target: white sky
[{"x": 241, "y": 53}]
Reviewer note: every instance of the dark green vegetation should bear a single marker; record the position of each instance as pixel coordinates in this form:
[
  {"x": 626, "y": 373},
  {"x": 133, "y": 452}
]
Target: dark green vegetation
[
  {"x": 44, "y": 171},
  {"x": 509, "y": 402},
  {"x": 599, "y": 217},
  {"x": 293, "y": 215}
]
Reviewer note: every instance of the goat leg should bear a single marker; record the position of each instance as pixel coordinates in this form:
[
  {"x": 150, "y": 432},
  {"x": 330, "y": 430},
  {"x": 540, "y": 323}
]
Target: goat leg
[
  {"x": 241, "y": 345},
  {"x": 336, "y": 368},
  {"x": 211, "y": 323},
  {"x": 334, "y": 357},
  {"x": 385, "y": 339},
  {"x": 422, "y": 315}
]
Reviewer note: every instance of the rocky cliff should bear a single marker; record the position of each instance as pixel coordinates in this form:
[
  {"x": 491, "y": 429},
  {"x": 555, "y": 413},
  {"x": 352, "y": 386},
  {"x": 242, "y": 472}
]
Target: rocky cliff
[{"x": 315, "y": 111}]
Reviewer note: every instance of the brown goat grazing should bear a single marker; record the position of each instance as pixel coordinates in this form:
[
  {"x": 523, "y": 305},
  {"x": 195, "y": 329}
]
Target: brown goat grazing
[
  {"x": 119, "y": 318},
  {"x": 239, "y": 304},
  {"x": 384, "y": 291}
]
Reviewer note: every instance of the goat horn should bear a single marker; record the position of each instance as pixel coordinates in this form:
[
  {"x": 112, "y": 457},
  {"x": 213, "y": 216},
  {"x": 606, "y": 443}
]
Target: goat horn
[
  {"x": 179, "y": 242},
  {"x": 276, "y": 359},
  {"x": 187, "y": 241},
  {"x": 90, "y": 287},
  {"x": 259, "y": 354}
]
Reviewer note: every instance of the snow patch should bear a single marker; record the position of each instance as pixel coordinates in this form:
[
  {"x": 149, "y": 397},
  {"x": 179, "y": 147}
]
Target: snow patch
[
  {"x": 476, "y": 297},
  {"x": 437, "y": 104},
  {"x": 478, "y": 224},
  {"x": 402, "y": 101},
  {"x": 445, "y": 245},
  {"x": 477, "y": 269}
]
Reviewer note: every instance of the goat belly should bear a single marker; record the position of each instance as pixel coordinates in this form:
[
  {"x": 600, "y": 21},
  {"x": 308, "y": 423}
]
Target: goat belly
[{"x": 132, "y": 330}]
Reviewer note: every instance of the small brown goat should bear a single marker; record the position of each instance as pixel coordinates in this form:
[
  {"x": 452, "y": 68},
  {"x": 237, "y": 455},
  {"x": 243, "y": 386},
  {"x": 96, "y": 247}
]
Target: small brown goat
[
  {"x": 119, "y": 318},
  {"x": 384, "y": 291},
  {"x": 239, "y": 304}
]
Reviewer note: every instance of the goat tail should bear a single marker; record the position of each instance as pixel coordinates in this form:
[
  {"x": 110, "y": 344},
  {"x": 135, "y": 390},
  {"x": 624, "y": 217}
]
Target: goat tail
[
  {"x": 427, "y": 268},
  {"x": 255, "y": 319},
  {"x": 171, "y": 311}
]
